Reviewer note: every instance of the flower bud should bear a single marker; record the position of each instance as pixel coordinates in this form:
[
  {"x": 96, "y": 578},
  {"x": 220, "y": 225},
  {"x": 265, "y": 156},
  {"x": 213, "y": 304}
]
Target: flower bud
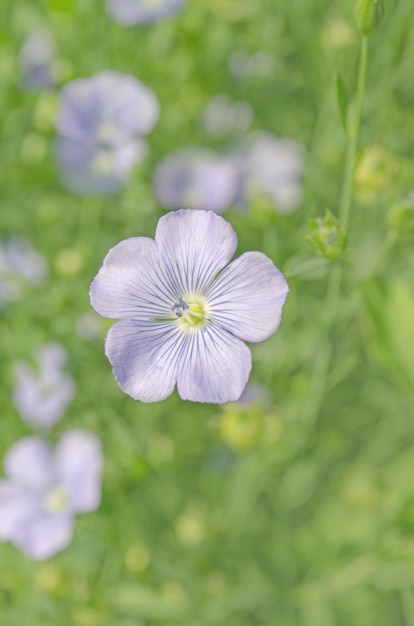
[
  {"x": 369, "y": 14},
  {"x": 375, "y": 172},
  {"x": 326, "y": 236}
]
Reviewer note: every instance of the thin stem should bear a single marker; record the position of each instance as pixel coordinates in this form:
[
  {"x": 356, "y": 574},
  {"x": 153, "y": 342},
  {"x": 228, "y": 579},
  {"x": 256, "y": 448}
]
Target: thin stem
[
  {"x": 345, "y": 203},
  {"x": 324, "y": 356}
]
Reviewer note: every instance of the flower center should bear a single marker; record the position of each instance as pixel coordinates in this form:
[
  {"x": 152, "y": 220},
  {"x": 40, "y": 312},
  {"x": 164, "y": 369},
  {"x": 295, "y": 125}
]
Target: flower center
[
  {"x": 57, "y": 500},
  {"x": 152, "y": 4},
  {"x": 106, "y": 130},
  {"x": 192, "y": 311}
]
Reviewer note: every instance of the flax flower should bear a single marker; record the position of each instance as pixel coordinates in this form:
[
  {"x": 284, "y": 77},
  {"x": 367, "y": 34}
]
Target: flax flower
[
  {"x": 20, "y": 263},
  {"x": 186, "y": 310},
  {"x": 100, "y": 124},
  {"x": 45, "y": 488},
  {"x": 273, "y": 167}
]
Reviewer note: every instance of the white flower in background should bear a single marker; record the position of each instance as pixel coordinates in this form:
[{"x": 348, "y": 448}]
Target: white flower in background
[
  {"x": 20, "y": 263},
  {"x": 273, "y": 167},
  {"x": 197, "y": 178},
  {"x": 41, "y": 397},
  {"x": 186, "y": 309},
  {"x": 130, "y": 12},
  {"x": 244, "y": 65},
  {"x": 100, "y": 124},
  {"x": 223, "y": 117},
  {"x": 45, "y": 488}
]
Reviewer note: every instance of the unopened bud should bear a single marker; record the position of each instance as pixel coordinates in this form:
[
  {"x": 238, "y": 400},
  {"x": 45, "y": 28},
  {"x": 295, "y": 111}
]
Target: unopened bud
[
  {"x": 369, "y": 14},
  {"x": 326, "y": 236},
  {"x": 375, "y": 172}
]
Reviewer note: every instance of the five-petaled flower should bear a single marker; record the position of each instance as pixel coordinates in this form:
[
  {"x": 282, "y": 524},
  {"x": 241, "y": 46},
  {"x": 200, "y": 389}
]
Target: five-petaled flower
[
  {"x": 44, "y": 489},
  {"x": 185, "y": 310},
  {"x": 100, "y": 124}
]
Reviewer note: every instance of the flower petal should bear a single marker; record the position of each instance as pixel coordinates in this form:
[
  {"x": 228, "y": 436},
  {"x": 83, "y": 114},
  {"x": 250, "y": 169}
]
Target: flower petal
[
  {"x": 95, "y": 170},
  {"x": 248, "y": 296},
  {"x": 132, "y": 283},
  {"x": 128, "y": 13},
  {"x": 79, "y": 464},
  {"x": 195, "y": 245},
  {"x": 29, "y": 463},
  {"x": 16, "y": 505},
  {"x": 144, "y": 357},
  {"x": 214, "y": 368},
  {"x": 43, "y": 536}
]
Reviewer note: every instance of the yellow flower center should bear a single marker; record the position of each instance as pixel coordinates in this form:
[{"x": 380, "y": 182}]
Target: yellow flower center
[
  {"x": 57, "y": 500},
  {"x": 192, "y": 312}
]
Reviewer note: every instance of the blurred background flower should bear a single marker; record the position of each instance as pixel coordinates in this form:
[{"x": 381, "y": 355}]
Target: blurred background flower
[
  {"x": 36, "y": 57},
  {"x": 42, "y": 395},
  {"x": 20, "y": 264},
  {"x": 44, "y": 489},
  {"x": 271, "y": 167},
  {"x": 130, "y": 12},
  {"x": 196, "y": 178},
  {"x": 224, "y": 117},
  {"x": 99, "y": 123}
]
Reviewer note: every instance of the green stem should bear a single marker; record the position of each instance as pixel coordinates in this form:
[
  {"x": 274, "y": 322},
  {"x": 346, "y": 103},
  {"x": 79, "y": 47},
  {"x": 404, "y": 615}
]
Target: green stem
[
  {"x": 324, "y": 356},
  {"x": 345, "y": 202}
]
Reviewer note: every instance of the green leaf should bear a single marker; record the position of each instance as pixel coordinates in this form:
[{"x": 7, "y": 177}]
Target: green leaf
[{"x": 343, "y": 101}]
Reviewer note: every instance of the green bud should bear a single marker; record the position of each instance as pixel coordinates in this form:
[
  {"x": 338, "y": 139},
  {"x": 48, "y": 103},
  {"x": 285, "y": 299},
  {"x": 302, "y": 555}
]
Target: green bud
[
  {"x": 326, "y": 236},
  {"x": 376, "y": 170},
  {"x": 369, "y": 14}
]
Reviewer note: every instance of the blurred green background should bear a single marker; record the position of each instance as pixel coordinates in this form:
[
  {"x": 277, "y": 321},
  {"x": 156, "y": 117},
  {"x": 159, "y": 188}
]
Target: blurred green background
[{"x": 298, "y": 513}]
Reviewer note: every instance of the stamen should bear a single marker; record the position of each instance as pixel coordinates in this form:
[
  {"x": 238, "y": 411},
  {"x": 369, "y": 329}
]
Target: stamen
[
  {"x": 180, "y": 307},
  {"x": 192, "y": 311}
]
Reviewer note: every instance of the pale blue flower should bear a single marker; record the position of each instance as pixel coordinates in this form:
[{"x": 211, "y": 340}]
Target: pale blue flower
[
  {"x": 100, "y": 124},
  {"x": 197, "y": 178},
  {"x": 273, "y": 167},
  {"x": 186, "y": 310},
  {"x": 41, "y": 396},
  {"x": 45, "y": 488},
  {"x": 36, "y": 57},
  {"x": 130, "y": 12},
  {"x": 108, "y": 109}
]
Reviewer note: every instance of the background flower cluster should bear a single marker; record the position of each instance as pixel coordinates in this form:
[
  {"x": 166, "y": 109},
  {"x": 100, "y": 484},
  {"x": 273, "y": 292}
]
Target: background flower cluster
[{"x": 296, "y": 503}]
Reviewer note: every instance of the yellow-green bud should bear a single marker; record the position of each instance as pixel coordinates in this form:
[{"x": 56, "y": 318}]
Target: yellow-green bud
[
  {"x": 326, "y": 236},
  {"x": 369, "y": 14}
]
